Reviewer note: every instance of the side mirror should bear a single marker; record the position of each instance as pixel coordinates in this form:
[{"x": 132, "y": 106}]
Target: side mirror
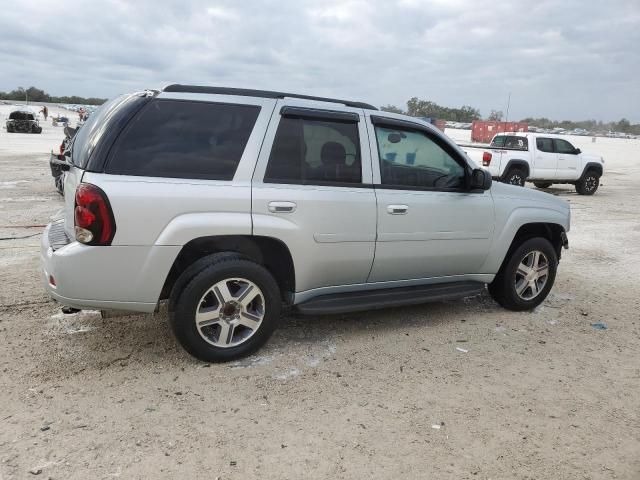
[
  {"x": 480, "y": 180},
  {"x": 577, "y": 151}
]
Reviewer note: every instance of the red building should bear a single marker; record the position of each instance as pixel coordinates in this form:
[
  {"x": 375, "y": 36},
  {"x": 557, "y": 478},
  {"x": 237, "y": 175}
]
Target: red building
[{"x": 483, "y": 131}]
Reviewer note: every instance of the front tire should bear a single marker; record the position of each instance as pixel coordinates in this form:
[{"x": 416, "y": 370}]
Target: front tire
[
  {"x": 527, "y": 275},
  {"x": 227, "y": 310},
  {"x": 589, "y": 183},
  {"x": 515, "y": 176}
]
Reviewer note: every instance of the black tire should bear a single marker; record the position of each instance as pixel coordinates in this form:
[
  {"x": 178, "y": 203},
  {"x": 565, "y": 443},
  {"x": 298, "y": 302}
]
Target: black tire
[
  {"x": 189, "y": 291},
  {"x": 9, "y": 129},
  {"x": 37, "y": 130},
  {"x": 503, "y": 287},
  {"x": 515, "y": 176},
  {"x": 542, "y": 184},
  {"x": 589, "y": 183}
]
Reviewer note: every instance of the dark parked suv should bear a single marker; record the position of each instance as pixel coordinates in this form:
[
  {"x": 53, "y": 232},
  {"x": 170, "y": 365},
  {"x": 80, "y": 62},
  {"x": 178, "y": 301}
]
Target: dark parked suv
[{"x": 23, "y": 121}]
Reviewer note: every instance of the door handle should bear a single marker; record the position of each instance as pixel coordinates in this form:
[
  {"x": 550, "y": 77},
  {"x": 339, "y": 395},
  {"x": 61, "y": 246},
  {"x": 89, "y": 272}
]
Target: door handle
[
  {"x": 397, "y": 209},
  {"x": 282, "y": 207}
]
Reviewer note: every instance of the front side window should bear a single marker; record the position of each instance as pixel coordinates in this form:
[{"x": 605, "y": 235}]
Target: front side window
[
  {"x": 562, "y": 146},
  {"x": 180, "y": 139},
  {"x": 412, "y": 159},
  {"x": 544, "y": 144},
  {"x": 316, "y": 152}
]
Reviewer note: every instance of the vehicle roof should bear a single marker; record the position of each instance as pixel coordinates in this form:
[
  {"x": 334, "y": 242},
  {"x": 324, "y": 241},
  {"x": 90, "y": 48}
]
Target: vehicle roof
[{"x": 245, "y": 92}]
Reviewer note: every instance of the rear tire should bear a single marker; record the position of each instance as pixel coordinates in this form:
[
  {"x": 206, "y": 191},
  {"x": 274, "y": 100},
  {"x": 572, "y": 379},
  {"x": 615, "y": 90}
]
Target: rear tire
[
  {"x": 225, "y": 311},
  {"x": 515, "y": 176},
  {"x": 542, "y": 184},
  {"x": 526, "y": 276},
  {"x": 589, "y": 183}
]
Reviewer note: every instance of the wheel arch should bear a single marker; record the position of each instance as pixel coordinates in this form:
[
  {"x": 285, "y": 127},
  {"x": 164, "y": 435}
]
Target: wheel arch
[
  {"x": 592, "y": 166},
  {"x": 269, "y": 252},
  {"x": 516, "y": 163}
]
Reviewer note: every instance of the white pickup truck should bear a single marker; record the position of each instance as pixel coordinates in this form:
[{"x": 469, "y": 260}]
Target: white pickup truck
[{"x": 515, "y": 157}]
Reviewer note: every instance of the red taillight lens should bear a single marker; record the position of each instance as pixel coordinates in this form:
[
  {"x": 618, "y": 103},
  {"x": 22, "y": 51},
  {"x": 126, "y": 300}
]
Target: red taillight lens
[
  {"x": 93, "y": 216},
  {"x": 62, "y": 148},
  {"x": 486, "y": 159}
]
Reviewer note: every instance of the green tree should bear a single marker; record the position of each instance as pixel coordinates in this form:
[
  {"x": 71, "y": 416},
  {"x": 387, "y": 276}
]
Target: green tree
[
  {"x": 391, "y": 109},
  {"x": 496, "y": 115}
]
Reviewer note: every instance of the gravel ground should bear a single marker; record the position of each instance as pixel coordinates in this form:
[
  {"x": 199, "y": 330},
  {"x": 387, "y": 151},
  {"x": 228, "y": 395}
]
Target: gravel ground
[{"x": 460, "y": 390}]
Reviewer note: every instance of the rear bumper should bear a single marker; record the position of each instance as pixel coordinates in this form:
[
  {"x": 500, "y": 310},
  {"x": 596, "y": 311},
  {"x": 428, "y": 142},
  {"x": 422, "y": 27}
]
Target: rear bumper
[{"x": 114, "y": 277}]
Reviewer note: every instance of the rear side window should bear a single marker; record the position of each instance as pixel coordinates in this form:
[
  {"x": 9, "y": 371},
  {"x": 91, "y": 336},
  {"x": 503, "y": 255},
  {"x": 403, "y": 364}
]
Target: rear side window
[
  {"x": 544, "y": 145},
  {"x": 181, "y": 139},
  {"x": 316, "y": 152}
]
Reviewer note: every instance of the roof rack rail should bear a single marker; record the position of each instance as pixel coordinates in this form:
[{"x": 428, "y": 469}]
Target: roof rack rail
[{"x": 245, "y": 92}]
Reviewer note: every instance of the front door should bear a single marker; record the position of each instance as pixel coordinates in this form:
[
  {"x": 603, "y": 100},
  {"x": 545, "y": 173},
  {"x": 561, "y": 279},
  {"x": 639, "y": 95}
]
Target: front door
[
  {"x": 567, "y": 160},
  {"x": 545, "y": 162},
  {"x": 312, "y": 191},
  {"x": 428, "y": 224}
]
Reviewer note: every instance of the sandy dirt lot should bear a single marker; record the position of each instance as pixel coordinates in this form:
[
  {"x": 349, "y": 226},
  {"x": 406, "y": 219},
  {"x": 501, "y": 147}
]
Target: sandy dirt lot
[{"x": 537, "y": 395}]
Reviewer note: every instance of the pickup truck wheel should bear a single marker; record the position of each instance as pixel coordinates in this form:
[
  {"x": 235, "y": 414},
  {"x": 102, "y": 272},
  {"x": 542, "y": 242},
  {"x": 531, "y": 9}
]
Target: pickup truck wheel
[
  {"x": 527, "y": 276},
  {"x": 588, "y": 184},
  {"x": 515, "y": 176},
  {"x": 542, "y": 184},
  {"x": 227, "y": 311}
]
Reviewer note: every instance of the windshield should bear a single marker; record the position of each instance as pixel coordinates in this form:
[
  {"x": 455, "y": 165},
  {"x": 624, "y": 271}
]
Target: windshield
[{"x": 94, "y": 128}]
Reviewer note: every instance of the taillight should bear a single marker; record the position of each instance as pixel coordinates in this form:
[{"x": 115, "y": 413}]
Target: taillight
[
  {"x": 62, "y": 148},
  {"x": 486, "y": 159},
  {"x": 94, "y": 223}
]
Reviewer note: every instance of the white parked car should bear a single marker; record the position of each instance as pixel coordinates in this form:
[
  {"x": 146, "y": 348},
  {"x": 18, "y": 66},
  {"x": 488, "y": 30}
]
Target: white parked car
[{"x": 517, "y": 157}]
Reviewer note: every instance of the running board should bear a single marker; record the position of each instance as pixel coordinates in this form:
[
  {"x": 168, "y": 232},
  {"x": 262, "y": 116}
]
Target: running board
[{"x": 388, "y": 297}]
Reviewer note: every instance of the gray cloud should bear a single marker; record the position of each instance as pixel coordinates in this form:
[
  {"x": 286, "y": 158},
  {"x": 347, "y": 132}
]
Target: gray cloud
[{"x": 563, "y": 59}]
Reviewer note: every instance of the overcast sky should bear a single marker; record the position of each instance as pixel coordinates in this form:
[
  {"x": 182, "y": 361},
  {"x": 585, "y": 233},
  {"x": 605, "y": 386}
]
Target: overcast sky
[{"x": 563, "y": 59}]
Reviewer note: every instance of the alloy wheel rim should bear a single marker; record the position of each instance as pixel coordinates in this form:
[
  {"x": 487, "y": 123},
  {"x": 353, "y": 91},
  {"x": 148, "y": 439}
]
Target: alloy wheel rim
[
  {"x": 230, "y": 312},
  {"x": 516, "y": 180},
  {"x": 532, "y": 275},
  {"x": 590, "y": 183}
]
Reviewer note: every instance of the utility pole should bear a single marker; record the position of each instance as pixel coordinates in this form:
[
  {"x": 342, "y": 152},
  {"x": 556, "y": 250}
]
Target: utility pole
[{"x": 508, "y": 105}]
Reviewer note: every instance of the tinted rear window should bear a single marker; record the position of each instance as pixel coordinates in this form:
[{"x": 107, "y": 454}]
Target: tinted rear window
[
  {"x": 99, "y": 123},
  {"x": 181, "y": 139},
  {"x": 510, "y": 141}
]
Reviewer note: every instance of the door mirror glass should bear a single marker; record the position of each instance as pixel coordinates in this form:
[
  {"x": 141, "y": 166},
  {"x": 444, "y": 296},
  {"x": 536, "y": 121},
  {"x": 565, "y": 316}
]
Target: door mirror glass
[{"x": 480, "y": 179}]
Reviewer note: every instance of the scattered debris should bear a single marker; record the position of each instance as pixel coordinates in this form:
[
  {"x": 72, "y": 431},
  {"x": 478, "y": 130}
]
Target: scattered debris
[
  {"x": 599, "y": 326},
  {"x": 462, "y": 350},
  {"x": 44, "y": 428},
  {"x": 35, "y": 471}
]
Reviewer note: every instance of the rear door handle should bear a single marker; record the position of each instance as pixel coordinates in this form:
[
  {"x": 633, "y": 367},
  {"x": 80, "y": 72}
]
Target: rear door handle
[
  {"x": 397, "y": 209},
  {"x": 282, "y": 207}
]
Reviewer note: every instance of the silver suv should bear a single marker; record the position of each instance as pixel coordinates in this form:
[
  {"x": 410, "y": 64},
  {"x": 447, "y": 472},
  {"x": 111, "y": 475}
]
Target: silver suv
[{"x": 233, "y": 203}]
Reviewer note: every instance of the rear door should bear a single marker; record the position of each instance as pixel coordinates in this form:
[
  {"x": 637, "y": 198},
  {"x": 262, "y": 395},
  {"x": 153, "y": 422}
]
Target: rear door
[
  {"x": 545, "y": 161},
  {"x": 567, "y": 160},
  {"x": 312, "y": 190}
]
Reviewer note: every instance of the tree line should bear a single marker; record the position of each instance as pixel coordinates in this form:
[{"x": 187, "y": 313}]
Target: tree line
[
  {"x": 465, "y": 114},
  {"x": 33, "y": 94}
]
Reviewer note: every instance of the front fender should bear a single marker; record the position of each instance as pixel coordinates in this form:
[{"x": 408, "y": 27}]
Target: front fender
[{"x": 516, "y": 219}]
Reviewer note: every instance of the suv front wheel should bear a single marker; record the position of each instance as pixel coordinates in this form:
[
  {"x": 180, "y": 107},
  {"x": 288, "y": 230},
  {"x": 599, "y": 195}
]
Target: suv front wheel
[
  {"x": 227, "y": 310},
  {"x": 515, "y": 176},
  {"x": 526, "y": 276}
]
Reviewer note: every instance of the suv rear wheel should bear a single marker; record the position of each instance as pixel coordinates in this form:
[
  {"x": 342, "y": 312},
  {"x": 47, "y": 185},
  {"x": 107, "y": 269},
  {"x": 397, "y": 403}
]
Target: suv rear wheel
[
  {"x": 227, "y": 310},
  {"x": 589, "y": 183},
  {"x": 515, "y": 176},
  {"x": 527, "y": 276}
]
